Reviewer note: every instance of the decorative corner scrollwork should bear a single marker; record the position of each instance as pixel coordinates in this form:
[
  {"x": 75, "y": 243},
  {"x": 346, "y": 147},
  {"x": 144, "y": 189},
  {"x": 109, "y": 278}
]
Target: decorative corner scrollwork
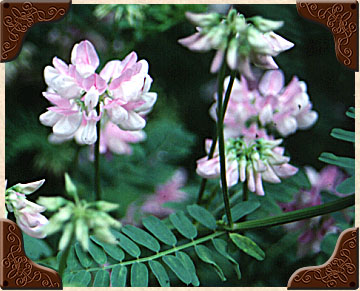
[
  {"x": 340, "y": 271},
  {"x": 18, "y": 18},
  {"x": 341, "y": 20}
]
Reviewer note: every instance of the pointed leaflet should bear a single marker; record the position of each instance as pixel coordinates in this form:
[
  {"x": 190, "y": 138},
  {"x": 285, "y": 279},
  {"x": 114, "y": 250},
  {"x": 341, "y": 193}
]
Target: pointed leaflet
[
  {"x": 160, "y": 273},
  {"x": 141, "y": 237},
  {"x": 337, "y": 161},
  {"x": 347, "y": 186},
  {"x": 205, "y": 255},
  {"x": 118, "y": 276},
  {"x": 72, "y": 261},
  {"x": 343, "y": 134},
  {"x": 102, "y": 279},
  {"x": 83, "y": 256},
  {"x": 248, "y": 246},
  {"x": 221, "y": 245},
  {"x": 113, "y": 250},
  {"x": 178, "y": 268},
  {"x": 127, "y": 244},
  {"x": 202, "y": 215},
  {"x": 183, "y": 225},
  {"x": 97, "y": 253},
  {"x": 241, "y": 209},
  {"x": 139, "y": 275},
  {"x": 189, "y": 265},
  {"x": 159, "y": 229},
  {"x": 80, "y": 279}
]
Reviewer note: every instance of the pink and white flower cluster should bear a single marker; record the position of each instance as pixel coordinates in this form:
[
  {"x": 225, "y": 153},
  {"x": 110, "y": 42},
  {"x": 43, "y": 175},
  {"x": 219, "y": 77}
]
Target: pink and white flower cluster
[
  {"x": 118, "y": 96},
  {"x": 268, "y": 103},
  {"x": 249, "y": 159},
  {"x": 27, "y": 213},
  {"x": 154, "y": 204},
  {"x": 314, "y": 229},
  {"x": 242, "y": 42}
]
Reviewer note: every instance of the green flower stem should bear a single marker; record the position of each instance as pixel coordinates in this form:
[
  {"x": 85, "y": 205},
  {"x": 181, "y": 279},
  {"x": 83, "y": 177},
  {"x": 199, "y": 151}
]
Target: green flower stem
[
  {"x": 64, "y": 256},
  {"x": 220, "y": 133},
  {"x": 97, "y": 158},
  {"x": 288, "y": 217},
  {"x": 213, "y": 144},
  {"x": 296, "y": 215}
]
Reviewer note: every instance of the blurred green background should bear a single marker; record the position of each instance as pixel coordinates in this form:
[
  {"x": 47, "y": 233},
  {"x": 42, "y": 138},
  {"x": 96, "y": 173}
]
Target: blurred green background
[{"x": 180, "y": 117}]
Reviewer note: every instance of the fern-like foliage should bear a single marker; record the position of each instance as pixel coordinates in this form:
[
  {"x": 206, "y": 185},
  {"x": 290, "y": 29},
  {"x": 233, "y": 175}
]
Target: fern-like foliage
[
  {"x": 347, "y": 186},
  {"x": 162, "y": 248}
]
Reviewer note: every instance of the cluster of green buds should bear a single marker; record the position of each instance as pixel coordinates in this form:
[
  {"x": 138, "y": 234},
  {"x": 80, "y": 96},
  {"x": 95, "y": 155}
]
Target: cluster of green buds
[
  {"x": 245, "y": 41},
  {"x": 258, "y": 160},
  {"x": 80, "y": 218}
]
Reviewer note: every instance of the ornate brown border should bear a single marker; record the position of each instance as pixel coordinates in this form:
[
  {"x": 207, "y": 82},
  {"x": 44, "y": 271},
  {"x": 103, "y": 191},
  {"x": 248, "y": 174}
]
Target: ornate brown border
[
  {"x": 341, "y": 271},
  {"x": 17, "y": 17},
  {"x": 18, "y": 271},
  {"x": 342, "y": 20}
]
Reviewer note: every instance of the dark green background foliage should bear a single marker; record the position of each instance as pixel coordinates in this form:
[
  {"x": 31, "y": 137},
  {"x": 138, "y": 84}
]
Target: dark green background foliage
[{"x": 179, "y": 122}]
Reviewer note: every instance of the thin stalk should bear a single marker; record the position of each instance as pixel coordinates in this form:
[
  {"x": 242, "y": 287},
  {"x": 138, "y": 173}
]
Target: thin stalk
[
  {"x": 97, "y": 158},
  {"x": 296, "y": 215},
  {"x": 220, "y": 133},
  {"x": 288, "y": 217},
  {"x": 213, "y": 144}
]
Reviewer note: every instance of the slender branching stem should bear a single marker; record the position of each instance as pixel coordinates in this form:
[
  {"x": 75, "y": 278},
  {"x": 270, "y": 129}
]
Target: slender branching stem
[
  {"x": 213, "y": 144},
  {"x": 97, "y": 158}
]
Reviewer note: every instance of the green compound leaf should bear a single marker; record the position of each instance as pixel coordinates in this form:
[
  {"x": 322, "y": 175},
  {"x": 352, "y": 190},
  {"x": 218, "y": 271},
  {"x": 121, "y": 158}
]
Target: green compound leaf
[
  {"x": 205, "y": 255},
  {"x": 347, "y": 186},
  {"x": 118, "y": 276},
  {"x": 221, "y": 245},
  {"x": 139, "y": 275},
  {"x": 189, "y": 265},
  {"x": 160, "y": 230},
  {"x": 113, "y": 250},
  {"x": 248, "y": 246},
  {"x": 127, "y": 245},
  {"x": 80, "y": 279},
  {"x": 183, "y": 225},
  {"x": 202, "y": 215},
  {"x": 160, "y": 273},
  {"x": 337, "y": 161},
  {"x": 141, "y": 237},
  {"x": 83, "y": 256},
  {"x": 102, "y": 279},
  {"x": 97, "y": 253},
  {"x": 343, "y": 134},
  {"x": 178, "y": 268},
  {"x": 241, "y": 209}
]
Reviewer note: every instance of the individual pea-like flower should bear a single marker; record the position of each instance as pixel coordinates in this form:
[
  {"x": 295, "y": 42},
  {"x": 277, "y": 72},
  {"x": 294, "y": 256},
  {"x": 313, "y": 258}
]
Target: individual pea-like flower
[
  {"x": 154, "y": 204},
  {"x": 80, "y": 218},
  {"x": 250, "y": 160},
  {"x": 82, "y": 98},
  {"x": 245, "y": 42},
  {"x": 27, "y": 213},
  {"x": 115, "y": 140},
  {"x": 268, "y": 103},
  {"x": 314, "y": 230}
]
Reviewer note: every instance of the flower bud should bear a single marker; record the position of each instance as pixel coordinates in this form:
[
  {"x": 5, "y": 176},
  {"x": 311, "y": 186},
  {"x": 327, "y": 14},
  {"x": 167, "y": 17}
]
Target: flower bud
[
  {"x": 69, "y": 186},
  {"x": 104, "y": 235},
  {"x": 266, "y": 25},
  {"x": 66, "y": 237},
  {"x": 82, "y": 233},
  {"x": 51, "y": 203},
  {"x": 106, "y": 206},
  {"x": 28, "y": 188},
  {"x": 203, "y": 19}
]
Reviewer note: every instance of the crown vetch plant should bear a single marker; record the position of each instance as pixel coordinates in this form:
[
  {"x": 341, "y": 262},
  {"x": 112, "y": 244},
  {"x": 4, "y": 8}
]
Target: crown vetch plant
[{"x": 107, "y": 241}]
